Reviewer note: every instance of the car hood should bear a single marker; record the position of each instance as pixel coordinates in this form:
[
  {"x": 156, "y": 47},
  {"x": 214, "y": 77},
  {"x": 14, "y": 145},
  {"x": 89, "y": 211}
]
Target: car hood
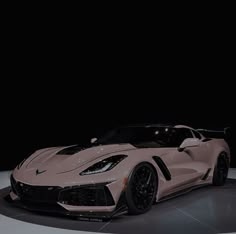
[{"x": 62, "y": 159}]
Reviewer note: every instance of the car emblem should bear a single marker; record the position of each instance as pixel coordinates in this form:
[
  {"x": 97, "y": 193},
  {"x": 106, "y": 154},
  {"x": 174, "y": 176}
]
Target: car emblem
[{"x": 39, "y": 172}]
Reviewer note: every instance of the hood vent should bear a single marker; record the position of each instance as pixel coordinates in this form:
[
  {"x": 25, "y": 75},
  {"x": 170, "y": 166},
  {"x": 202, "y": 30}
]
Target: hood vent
[{"x": 71, "y": 150}]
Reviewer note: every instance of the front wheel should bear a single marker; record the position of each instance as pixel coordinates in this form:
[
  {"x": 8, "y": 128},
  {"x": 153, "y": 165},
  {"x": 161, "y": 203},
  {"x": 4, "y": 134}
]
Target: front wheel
[
  {"x": 221, "y": 170},
  {"x": 142, "y": 188}
]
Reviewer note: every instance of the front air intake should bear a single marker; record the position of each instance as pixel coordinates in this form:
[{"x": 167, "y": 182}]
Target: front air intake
[{"x": 87, "y": 195}]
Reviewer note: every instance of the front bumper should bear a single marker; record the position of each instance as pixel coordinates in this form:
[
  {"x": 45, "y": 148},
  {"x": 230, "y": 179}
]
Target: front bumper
[{"x": 91, "y": 201}]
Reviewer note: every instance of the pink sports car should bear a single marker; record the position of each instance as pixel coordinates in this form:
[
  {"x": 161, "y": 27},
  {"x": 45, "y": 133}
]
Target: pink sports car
[{"x": 126, "y": 170}]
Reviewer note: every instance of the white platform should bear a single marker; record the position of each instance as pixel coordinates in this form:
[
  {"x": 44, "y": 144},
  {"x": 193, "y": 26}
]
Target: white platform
[{"x": 10, "y": 226}]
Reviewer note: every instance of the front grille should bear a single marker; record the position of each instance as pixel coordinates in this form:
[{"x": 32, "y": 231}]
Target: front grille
[
  {"x": 85, "y": 195},
  {"x": 89, "y": 195},
  {"x": 45, "y": 194}
]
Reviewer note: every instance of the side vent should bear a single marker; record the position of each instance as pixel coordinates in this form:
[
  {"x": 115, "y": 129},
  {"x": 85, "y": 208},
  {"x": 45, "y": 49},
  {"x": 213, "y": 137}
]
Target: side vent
[
  {"x": 207, "y": 174},
  {"x": 162, "y": 167},
  {"x": 206, "y": 139}
]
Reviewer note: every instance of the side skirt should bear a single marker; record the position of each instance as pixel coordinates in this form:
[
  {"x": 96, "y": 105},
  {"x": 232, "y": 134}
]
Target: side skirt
[{"x": 182, "y": 192}]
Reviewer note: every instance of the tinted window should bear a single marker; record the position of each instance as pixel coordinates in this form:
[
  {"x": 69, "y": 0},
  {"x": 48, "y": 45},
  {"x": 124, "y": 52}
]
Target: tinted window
[
  {"x": 146, "y": 136},
  {"x": 197, "y": 134},
  {"x": 158, "y": 136},
  {"x": 180, "y": 135}
]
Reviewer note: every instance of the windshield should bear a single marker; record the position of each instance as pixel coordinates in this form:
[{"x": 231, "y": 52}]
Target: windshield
[{"x": 147, "y": 136}]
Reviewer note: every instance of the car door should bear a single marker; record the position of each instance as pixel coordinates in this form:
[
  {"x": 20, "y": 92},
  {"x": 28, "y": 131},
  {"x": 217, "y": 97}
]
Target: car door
[
  {"x": 201, "y": 155},
  {"x": 184, "y": 166}
]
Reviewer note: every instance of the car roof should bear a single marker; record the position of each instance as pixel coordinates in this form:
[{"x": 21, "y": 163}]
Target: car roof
[
  {"x": 158, "y": 125},
  {"x": 183, "y": 126}
]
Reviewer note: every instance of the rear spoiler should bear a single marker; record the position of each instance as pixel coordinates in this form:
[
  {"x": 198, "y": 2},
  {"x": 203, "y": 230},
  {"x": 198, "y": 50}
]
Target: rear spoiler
[{"x": 225, "y": 133}]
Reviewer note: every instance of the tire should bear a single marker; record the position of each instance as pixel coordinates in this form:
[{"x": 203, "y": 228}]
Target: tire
[
  {"x": 221, "y": 170},
  {"x": 141, "y": 189}
]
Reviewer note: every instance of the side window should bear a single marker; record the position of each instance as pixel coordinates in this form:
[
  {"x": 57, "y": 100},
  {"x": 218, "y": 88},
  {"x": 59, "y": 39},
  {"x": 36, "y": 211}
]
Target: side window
[
  {"x": 180, "y": 135},
  {"x": 187, "y": 133},
  {"x": 197, "y": 134}
]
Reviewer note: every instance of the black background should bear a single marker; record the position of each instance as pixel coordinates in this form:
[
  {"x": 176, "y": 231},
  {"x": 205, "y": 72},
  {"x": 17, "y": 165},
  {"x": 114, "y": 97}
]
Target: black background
[
  {"x": 63, "y": 87},
  {"x": 61, "y": 112}
]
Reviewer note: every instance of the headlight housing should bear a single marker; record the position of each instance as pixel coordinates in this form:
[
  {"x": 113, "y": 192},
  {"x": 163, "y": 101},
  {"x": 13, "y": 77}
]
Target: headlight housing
[{"x": 104, "y": 165}]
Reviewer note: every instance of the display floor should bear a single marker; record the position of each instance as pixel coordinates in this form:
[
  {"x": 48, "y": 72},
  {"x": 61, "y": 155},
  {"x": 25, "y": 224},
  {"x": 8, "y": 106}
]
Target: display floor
[{"x": 205, "y": 210}]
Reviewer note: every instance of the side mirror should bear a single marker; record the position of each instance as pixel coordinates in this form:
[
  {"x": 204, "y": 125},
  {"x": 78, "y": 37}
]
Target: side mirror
[
  {"x": 189, "y": 142},
  {"x": 93, "y": 140}
]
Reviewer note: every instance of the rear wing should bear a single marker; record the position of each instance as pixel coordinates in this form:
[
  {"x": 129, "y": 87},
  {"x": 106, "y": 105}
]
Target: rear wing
[{"x": 224, "y": 134}]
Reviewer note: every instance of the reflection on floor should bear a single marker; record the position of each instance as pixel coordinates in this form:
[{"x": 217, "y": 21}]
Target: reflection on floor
[
  {"x": 232, "y": 173},
  {"x": 4, "y": 178},
  {"x": 181, "y": 211}
]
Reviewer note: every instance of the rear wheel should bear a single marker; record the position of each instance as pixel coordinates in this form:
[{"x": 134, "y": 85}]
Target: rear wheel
[
  {"x": 142, "y": 188},
  {"x": 221, "y": 170}
]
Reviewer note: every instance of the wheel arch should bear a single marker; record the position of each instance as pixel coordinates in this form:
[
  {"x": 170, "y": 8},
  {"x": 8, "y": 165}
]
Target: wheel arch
[
  {"x": 223, "y": 154},
  {"x": 145, "y": 162},
  {"x": 221, "y": 168},
  {"x": 219, "y": 146}
]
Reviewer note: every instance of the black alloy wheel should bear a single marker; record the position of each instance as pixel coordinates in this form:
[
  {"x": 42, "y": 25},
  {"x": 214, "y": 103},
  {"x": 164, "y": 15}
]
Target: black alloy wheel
[
  {"x": 142, "y": 188},
  {"x": 221, "y": 170}
]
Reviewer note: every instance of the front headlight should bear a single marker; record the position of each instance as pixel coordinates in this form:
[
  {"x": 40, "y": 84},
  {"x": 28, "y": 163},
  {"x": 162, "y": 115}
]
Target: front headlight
[{"x": 104, "y": 165}]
